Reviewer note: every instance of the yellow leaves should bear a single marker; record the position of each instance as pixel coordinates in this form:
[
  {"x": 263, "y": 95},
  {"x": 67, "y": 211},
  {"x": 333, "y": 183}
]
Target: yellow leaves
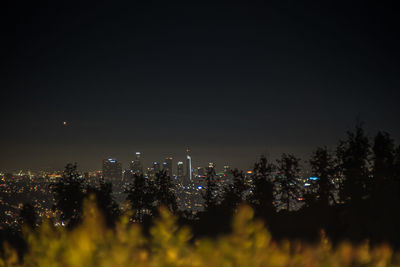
[
  {"x": 249, "y": 244},
  {"x": 9, "y": 257},
  {"x": 169, "y": 243}
]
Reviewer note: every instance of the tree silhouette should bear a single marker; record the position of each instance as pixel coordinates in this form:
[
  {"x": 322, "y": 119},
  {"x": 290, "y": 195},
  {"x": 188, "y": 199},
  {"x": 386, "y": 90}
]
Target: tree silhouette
[
  {"x": 211, "y": 194},
  {"x": 384, "y": 196},
  {"x": 289, "y": 187},
  {"x": 396, "y": 171},
  {"x": 69, "y": 195},
  {"x": 262, "y": 196},
  {"x": 27, "y": 216},
  {"x": 353, "y": 162},
  {"x": 396, "y": 163},
  {"x": 105, "y": 202},
  {"x": 164, "y": 191},
  {"x": 234, "y": 194},
  {"x": 383, "y": 159},
  {"x": 141, "y": 196},
  {"x": 323, "y": 167}
]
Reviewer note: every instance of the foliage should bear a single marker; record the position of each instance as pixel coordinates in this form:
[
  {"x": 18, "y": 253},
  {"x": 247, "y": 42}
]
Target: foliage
[
  {"x": 27, "y": 216},
  {"x": 323, "y": 167},
  {"x": 69, "y": 194},
  {"x": 70, "y": 191},
  {"x": 262, "y": 196},
  {"x": 383, "y": 159},
  {"x": 234, "y": 193},
  {"x": 289, "y": 168},
  {"x": 164, "y": 191},
  {"x": 141, "y": 196},
  {"x": 105, "y": 201},
  {"x": 210, "y": 195},
  {"x": 353, "y": 158},
  {"x": 91, "y": 243}
]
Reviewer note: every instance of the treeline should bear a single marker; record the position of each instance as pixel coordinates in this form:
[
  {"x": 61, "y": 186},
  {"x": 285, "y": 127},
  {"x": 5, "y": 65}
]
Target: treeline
[{"x": 355, "y": 195}]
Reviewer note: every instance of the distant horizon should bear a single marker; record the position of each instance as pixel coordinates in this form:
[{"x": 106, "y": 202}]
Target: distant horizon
[{"x": 242, "y": 158}]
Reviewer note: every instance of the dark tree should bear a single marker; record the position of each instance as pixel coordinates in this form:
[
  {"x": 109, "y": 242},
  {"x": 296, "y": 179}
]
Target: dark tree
[
  {"x": 384, "y": 196},
  {"x": 27, "y": 216},
  {"x": 353, "y": 162},
  {"x": 288, "y": 178},
  {"x": 105, "y": 202},
  {"x": 211, "y": 194},
  {"x": 323, "y": 167},
  {"x": 234, "y": 194},
  {"x": 396, "y": 170},
  {"x": 69, "y": 195},
  {"x": 165, "y": 191},
  {"x": 383, "y": 159},
  {"x": 396, "y": 164},
  {"x": 141, "y": 196},
  {"x": 262, "y": 196}
]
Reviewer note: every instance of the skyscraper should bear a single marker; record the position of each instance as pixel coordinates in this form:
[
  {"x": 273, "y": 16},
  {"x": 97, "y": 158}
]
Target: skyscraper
[
  {"x": 167, "y": 166},
  {"x": 136, "y": 165},
  {"x": 156, "y": 167},
  {"x": 180, "y": 170},
  {"x": 200, "y": 171},
  {"x": 228, "y": 174},
  {"x": 112, "y": 170},
  {"x": 188, "y": 168}
]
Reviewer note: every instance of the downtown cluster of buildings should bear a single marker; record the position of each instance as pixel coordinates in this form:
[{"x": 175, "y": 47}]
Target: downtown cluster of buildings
[
  {"x": 189, "y": 182},
  {"x": 183, "y": 173}
]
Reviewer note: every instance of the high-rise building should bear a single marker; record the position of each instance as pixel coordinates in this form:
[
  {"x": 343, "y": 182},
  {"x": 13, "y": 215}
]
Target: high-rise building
[
  {"x": 156, "y": 167},
  {"x": 188, "y": 168},
  {"x": 136, "y": 165},
  {"x": 167, "y": 166},
  {"x": 201, "y": 171},
  {"x": 112, "y": 170},
  {"x": 228, "y": 174},
  {"x": 180, "y": 170}
]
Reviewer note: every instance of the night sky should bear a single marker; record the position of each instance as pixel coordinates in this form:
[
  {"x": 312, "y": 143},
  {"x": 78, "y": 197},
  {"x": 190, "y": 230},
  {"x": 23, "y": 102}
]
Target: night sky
[{"x": 229, "y": 79}]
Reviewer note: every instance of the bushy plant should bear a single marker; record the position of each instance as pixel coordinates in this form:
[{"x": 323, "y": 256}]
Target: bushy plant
[{"x": 93, "y": 244}]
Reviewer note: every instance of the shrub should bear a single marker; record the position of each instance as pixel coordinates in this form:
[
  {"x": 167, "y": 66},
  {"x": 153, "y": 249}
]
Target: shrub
[{"x": 93, "y": 244}]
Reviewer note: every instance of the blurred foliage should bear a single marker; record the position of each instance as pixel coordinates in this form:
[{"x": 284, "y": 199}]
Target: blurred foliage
[{"x": 91, "y": 243}]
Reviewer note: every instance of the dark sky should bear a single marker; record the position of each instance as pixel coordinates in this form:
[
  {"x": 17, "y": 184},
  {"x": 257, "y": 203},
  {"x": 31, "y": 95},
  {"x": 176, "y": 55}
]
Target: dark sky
[{"x": 229, "y": 79}]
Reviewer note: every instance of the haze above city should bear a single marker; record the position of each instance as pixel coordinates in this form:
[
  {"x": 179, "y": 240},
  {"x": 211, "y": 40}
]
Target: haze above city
[{"x": 231, "y": 82}]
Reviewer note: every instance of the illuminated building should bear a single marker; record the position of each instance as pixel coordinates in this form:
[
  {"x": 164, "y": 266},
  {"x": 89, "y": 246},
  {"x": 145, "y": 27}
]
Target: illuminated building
[
  {"x": 156, "y": 167},
  {"x": 112, "y": 170},
  {"x": 136, "y": 165},
  {"x": 201, "y": 171},
  {"x": 167, "y": 166},
  {"x": 180, "y": 169},
  {"x": 227, "y": 169},
  {"x": 228, "y": 174},
  {"x": 188, "y": 176}
]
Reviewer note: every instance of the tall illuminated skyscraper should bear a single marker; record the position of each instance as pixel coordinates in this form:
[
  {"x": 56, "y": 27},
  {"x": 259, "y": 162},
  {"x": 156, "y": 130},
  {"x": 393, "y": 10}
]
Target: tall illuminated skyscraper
[{"x": 188, "y": 167}]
